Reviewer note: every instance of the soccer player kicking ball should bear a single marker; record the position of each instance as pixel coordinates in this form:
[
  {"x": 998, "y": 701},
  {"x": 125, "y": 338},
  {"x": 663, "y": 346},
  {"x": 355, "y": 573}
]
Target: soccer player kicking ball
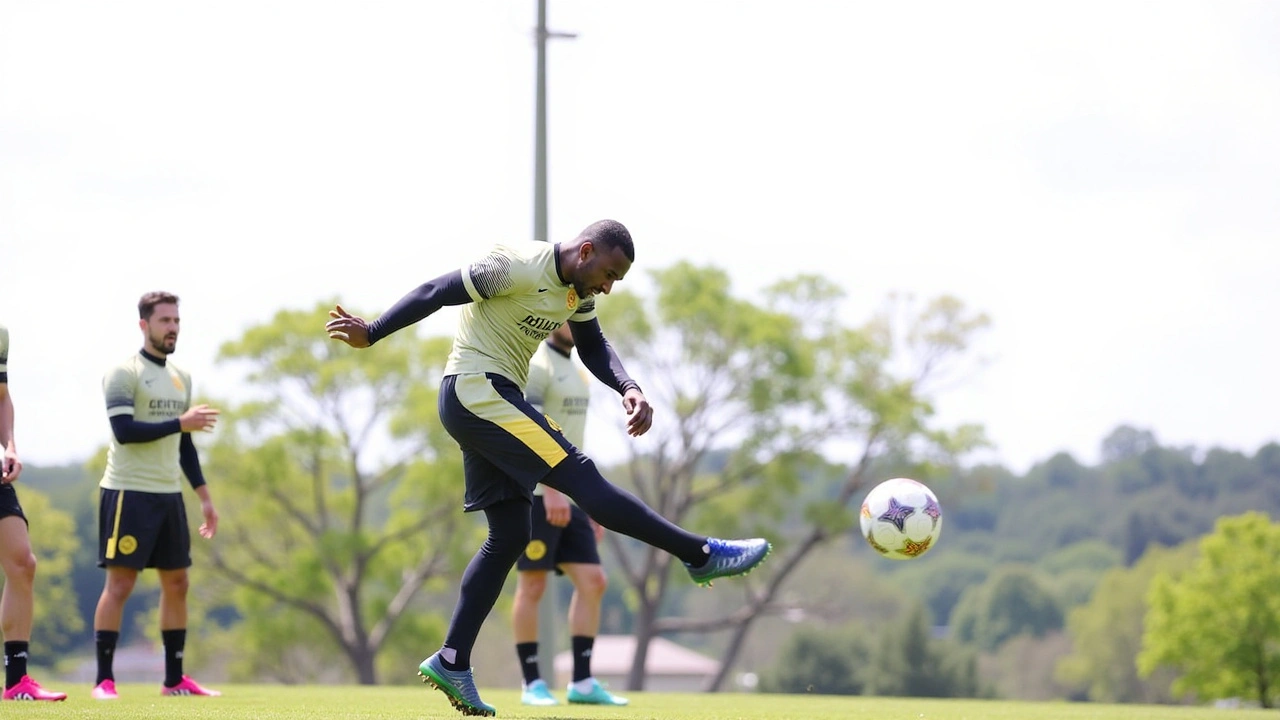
[{"x": 511, "y": 299}]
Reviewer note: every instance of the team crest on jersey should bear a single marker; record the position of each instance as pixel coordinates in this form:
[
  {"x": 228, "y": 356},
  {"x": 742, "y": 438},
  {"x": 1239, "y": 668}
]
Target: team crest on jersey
[
  {"x": 571, "y": 301},
  {"x": 536, "y": 550},
  {"x": 177, "y": 383}
]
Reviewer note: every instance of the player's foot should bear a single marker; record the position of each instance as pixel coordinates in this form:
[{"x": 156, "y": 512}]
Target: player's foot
[
  {"x": 457, "y": 685},
  {"x": 597, "y": 696},
  {"x": 188, "y": 687},
  {"x": 28, "y": 689},
  {"x": 105, "y": 690},
  {"x": 729, "y": 558},
  {"x": 537, "y": 693}
]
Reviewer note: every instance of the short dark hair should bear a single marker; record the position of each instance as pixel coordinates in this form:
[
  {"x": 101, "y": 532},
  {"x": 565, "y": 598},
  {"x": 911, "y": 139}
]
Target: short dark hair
[
  {"x": 611, "y": 234},
  {"x": 147, "y": 305}
]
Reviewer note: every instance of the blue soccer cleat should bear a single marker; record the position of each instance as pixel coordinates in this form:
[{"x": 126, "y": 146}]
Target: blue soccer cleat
[
  {"x": 457, "y": 685},
  {"x": 537, "y": 693},
  {"x": 729, "y": 558},
  {"x": 597, "y": 696}
]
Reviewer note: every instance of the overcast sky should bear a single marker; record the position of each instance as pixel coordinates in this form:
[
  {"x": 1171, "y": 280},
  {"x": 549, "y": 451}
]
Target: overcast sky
[{"x": 1102, "y": 178}]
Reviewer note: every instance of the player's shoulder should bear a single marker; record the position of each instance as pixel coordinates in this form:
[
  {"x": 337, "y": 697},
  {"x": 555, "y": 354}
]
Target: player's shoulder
[
  {"x": 525, "y": 253},
  {"x": 4, "y": 337},
  {"x": 131, "y": 365}
]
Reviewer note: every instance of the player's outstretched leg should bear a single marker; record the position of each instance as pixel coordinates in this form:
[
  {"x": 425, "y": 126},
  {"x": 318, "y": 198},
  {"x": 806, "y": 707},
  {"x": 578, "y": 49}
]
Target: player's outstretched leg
[
  {"x": 457, "y": 685},
  {"x": 729, "y": 558},
  {"x": 706, "y": 558}
]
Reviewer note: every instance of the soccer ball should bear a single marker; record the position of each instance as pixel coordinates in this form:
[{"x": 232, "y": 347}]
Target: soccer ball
[{"x": 901, "y": 518}]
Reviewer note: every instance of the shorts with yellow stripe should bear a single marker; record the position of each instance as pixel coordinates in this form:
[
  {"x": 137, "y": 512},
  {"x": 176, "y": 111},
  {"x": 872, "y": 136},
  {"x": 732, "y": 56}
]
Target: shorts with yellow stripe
[
  {"x": 507, "y": 445},
  {"x": 143, "y": 530}
]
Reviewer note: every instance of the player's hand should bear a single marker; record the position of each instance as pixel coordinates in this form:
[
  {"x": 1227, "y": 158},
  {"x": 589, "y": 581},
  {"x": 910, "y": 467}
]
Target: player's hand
[
  {"x": 12, "y": 467},
  {"x": 200, "y": 417},
  {"x": 557, "y": 505},
  {"x": 640, "y": 410},
  {"x": 348, "y": 328},
  {"x": 209, "y": 527}
]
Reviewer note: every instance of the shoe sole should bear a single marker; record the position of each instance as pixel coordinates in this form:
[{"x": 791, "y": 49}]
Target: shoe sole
[
  {"x": 457, "y": 701},
  {"x": 768, "y": 549}
]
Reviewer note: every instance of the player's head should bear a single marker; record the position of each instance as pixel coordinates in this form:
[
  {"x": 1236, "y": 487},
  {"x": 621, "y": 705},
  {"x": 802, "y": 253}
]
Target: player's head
[
  {"x": 158, "y": 318},
  {"x": 603, "y": 253}
]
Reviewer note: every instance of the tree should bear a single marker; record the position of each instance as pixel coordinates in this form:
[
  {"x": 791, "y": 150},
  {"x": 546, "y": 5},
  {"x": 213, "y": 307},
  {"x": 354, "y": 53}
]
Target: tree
[
  {"x": 323, "y": 545},
  {"x": 1011, "y": 602},
  {"x": 1219, "y": 623},
  {"x": 910, "y": 662},
  {"x": 1106, "y": 633},
  {"x": 765, "y": 391},
  {"x": 829, "y": 661}
]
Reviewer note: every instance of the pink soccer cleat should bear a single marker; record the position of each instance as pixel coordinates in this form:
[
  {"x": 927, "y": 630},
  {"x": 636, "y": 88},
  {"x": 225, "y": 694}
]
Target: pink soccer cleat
[
  {"x": 188, "y": 687},
  {"x": 28, "y": 689},
  {"x": 105, "y": 690}
]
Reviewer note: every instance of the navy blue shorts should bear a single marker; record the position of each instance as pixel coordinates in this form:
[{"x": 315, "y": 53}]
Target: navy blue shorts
[
  {"x": 9, "y": 502},
  {"x": 507, "y": 445},
  {"x": 143, "y": 530},
  {"x": 550, "y": 546}
]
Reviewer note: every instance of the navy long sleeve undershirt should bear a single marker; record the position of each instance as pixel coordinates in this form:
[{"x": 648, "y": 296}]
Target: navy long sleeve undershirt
[
  {"x": 128, "y": 430},
  {"x": 419, "y": 303},
  {"x": 598, "y": 356}
]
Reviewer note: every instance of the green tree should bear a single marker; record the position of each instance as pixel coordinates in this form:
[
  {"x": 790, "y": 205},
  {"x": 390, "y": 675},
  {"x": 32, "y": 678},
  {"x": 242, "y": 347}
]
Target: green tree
[
  {"x": 325, "y": 543},
  {"x": 763, "y": 390},
  {"x": 1011, "y": 602},
  {"x": 1106, "y": 633},
  {"x": 909, "y": 662},
  {"x": 1219, "y": 623},
  {"x": 829, "y": 661}
]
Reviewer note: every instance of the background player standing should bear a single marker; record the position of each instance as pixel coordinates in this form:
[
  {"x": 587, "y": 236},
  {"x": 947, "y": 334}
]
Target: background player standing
[
  {"x": 564, "y": 538},
  {"x": 512, "y": 298},
  {"x": 18, "y": 601},
  {"x": 142, "y": 520}
]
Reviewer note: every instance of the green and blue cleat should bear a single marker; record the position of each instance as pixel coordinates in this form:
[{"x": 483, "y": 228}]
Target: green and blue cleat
[
  {"x": 597, "y": 696},
  {"x": 537, "y": 693},
  {"x": 457, "y": 685},
  {"x": 729, "y": 558}
]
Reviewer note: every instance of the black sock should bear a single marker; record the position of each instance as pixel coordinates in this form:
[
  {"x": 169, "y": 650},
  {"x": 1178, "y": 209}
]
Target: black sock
[
  {"x": 582, "y": 656},
  {"x": 528, "y": 654},
  {"x": 510, "y": 524},
  {"x": 174, "y": 643},
  {"x": 106, "y": 642},
  {"x": 15, "y": 662},
  {"x": 620, "y": 511}
]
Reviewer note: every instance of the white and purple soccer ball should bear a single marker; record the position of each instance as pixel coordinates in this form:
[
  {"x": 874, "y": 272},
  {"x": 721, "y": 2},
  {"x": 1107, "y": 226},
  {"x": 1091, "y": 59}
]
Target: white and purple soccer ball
[{"x": 901, "y": 518}]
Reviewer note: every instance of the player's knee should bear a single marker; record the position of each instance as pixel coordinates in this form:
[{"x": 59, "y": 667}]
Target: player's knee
[
  {"x": 532, "y": 585},
  {"x": 593, "y": 583},
  {"x": 20, "y": 566},
  {"x": 119, "y": 587},
  {"x": 175, "y": 584}
]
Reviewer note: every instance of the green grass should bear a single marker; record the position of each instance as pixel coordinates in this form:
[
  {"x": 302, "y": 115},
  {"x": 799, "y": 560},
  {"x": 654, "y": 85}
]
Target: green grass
[{"x": 272, "y": 702}]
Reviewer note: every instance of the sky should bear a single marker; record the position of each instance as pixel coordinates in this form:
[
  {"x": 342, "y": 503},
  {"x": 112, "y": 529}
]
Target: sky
[{"x": 1100, "y": 177}]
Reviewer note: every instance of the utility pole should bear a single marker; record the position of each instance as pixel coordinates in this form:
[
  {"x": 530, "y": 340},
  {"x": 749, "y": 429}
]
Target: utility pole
[
  {"x": 549, "y": 640},
  {"x": 540, "y": 126}
]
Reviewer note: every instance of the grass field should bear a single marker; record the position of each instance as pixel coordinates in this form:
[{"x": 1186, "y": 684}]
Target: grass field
[{"x": 272, "y": 702}]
